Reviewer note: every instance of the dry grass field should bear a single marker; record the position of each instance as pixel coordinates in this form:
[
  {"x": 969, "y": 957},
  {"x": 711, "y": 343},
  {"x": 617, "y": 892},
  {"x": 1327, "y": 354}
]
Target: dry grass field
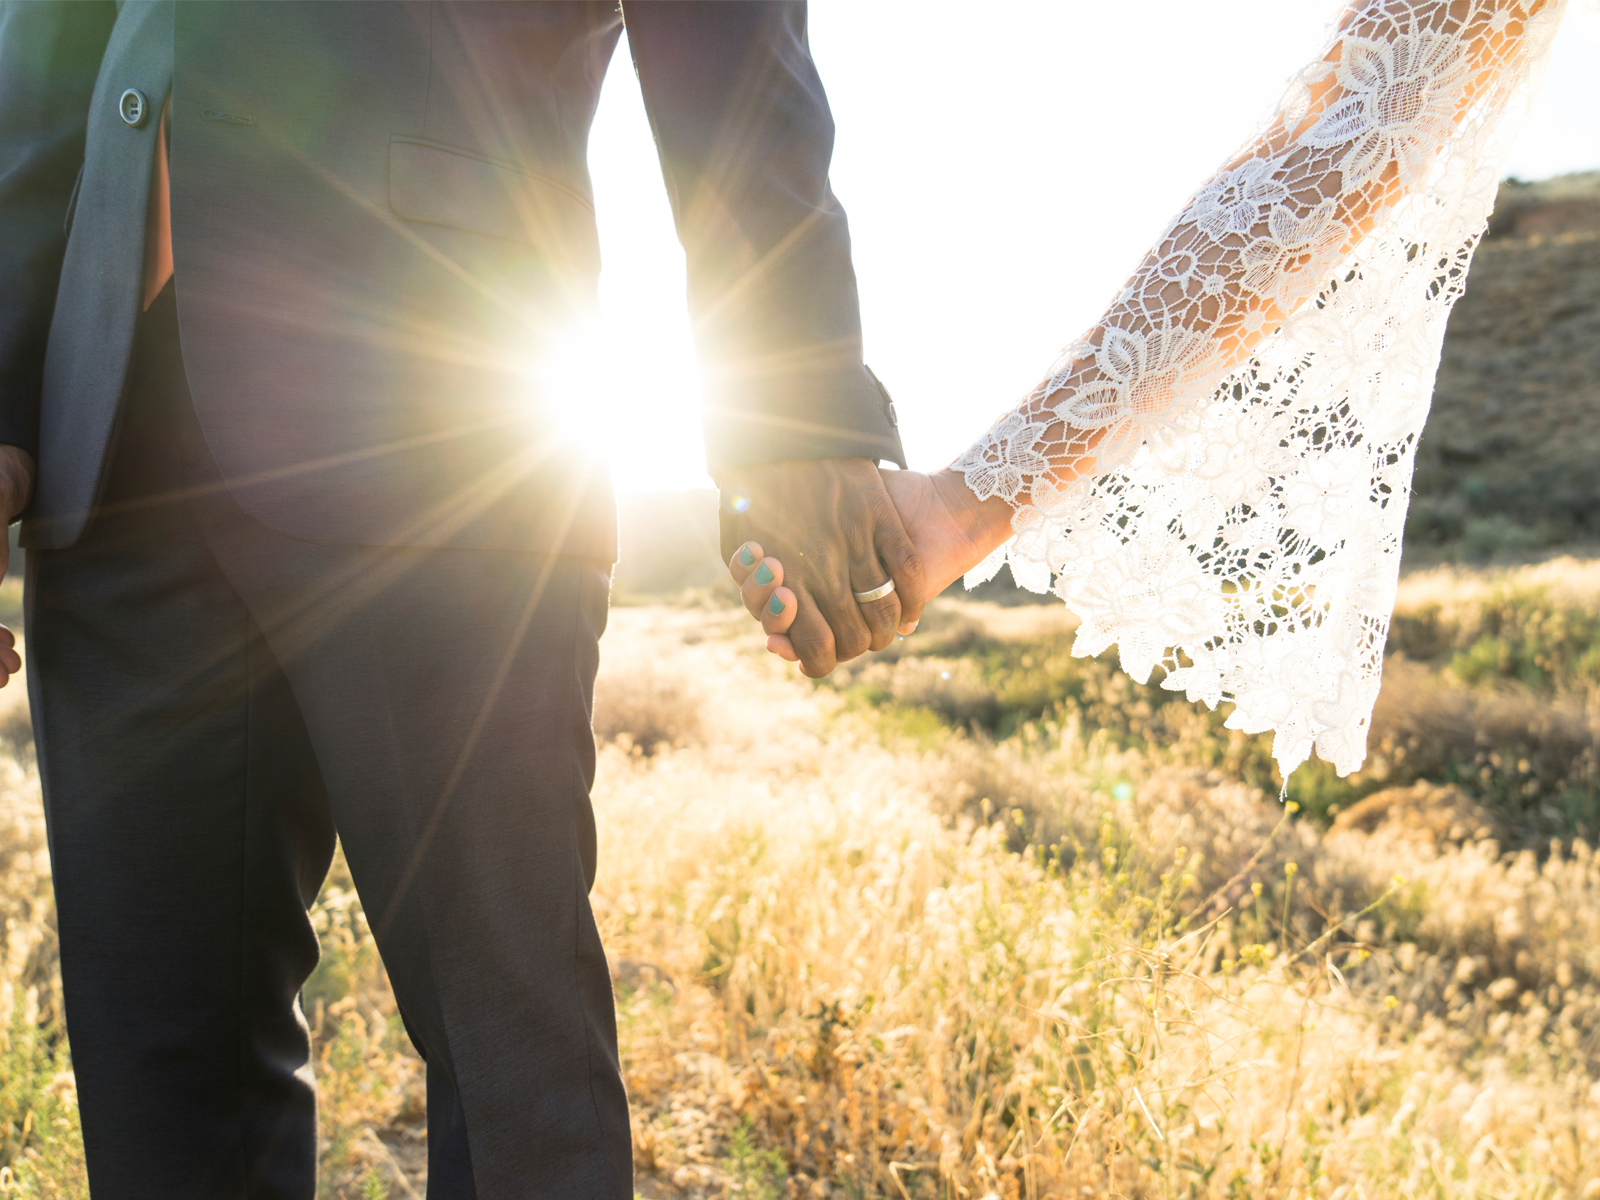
[{"x": 975, "y": 918}]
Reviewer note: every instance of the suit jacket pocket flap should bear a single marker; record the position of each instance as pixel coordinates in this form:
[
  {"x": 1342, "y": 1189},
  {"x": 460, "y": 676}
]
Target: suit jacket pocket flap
[{"x": 446, "y": 185}]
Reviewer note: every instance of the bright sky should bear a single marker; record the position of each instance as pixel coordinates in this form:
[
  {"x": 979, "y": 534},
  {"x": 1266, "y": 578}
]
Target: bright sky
[{"x": 1004, "y": 167}]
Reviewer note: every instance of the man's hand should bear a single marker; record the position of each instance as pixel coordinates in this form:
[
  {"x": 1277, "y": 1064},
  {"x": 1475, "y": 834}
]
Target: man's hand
[
  {"x": 16, "y": 486},
  {"x": 952, "y": 530},
  {"x": 832, "y": 523}
]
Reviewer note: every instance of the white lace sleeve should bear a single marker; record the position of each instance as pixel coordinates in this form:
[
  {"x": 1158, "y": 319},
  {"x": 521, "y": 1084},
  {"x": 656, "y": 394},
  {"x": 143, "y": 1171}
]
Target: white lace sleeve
[{"x": 1216, "y": 476}]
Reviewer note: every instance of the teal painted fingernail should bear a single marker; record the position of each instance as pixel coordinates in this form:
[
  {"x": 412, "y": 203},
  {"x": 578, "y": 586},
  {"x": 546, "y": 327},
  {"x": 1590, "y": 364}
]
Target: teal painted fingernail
[
  {"x": 775, "y": 607},
  {"x": 746, "y": 557},
  {"x": 764, "y": 575}
]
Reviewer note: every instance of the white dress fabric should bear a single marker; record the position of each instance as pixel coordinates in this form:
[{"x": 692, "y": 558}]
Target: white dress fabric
[{"x": 1215, "y": 478}]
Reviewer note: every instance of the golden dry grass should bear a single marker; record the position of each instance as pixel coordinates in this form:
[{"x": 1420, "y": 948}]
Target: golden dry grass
[{"x": 904, "y": 935}]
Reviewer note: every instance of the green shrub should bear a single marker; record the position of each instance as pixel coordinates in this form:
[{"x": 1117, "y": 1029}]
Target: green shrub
[{"x": 41, "y": 1144}]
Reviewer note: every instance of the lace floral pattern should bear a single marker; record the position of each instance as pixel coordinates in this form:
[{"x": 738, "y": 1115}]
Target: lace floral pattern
[
  {"x": 1399, "y": 103},
  {"x": 1215, "y": 479}
]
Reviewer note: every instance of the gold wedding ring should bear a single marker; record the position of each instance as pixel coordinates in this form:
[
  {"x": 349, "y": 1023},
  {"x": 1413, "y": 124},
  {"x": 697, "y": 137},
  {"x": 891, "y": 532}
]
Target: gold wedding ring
[{"x": 877, "y": 593}]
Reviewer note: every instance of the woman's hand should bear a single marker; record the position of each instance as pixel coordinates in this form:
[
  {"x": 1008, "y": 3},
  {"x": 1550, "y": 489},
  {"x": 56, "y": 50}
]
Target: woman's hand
[{"x": 951, "y": 529}]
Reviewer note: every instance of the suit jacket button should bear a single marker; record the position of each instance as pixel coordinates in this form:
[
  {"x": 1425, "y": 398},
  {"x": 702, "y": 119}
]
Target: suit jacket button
[{"x": 135, "y": 109}]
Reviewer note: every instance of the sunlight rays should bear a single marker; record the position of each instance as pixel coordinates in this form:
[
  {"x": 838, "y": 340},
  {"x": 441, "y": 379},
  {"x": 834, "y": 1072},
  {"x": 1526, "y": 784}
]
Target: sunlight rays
[{"x": 956, "y": 301}]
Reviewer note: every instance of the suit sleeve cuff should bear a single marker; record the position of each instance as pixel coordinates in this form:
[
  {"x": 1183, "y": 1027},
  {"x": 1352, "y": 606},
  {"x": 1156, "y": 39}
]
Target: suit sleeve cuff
[{"x": 845, "y": 413}]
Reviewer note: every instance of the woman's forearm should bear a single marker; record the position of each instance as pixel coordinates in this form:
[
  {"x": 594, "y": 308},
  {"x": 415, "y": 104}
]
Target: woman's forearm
[{"x": 1262, "y": 238}]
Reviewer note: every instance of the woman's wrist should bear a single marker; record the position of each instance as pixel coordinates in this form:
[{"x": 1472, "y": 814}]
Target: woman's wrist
[{"x": 985, "y": 523}]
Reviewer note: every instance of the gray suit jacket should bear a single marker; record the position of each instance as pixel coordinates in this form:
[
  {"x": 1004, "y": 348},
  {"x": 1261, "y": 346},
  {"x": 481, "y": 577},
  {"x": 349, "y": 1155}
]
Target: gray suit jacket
[{"x": 383, "y": 227}]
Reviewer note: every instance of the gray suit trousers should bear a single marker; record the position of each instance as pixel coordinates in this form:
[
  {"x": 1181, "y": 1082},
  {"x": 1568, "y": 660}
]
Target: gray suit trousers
[{"x": 212, "y": 700}]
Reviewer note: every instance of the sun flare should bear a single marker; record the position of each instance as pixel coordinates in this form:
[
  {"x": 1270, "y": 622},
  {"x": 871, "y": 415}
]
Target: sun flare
[{"x": 970, "y": 279}]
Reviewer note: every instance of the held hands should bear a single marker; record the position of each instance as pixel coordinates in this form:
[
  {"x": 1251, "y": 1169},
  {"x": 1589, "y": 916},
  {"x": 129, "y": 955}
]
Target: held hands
[
  {"x": 950, "y": 531},
  {"x": 834, "y": 525},
  {"x": 16, "y": 486}
]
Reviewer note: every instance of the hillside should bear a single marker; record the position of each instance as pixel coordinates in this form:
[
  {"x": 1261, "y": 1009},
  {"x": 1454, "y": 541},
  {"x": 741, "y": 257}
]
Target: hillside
[{"x": 1507, "y": 462}]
